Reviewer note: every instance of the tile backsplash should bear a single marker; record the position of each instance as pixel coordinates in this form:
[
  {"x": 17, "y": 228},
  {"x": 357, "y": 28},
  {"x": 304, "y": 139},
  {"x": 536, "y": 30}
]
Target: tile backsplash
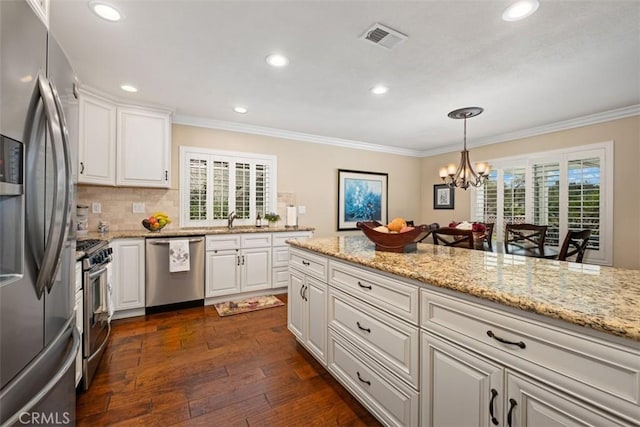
[{"x": 117, "y": 205}]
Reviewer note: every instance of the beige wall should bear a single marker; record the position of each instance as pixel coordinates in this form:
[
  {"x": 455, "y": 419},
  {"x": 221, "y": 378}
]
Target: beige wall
[
  {"x": 626, "y": 206},
  {"x": 307, "y": 175},
  {"x": 308, "y": 172}
]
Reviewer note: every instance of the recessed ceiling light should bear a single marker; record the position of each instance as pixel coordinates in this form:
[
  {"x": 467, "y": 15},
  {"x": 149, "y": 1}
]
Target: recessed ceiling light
[
  {"x": 129, "y": 88},
  {"x": 240, "y": 110},
  {"x": 105, "y": 11},
  {"x": 520, "y": 10},
  {"x": 277, "y": 60},
  {"x": 379, "y": 90}
]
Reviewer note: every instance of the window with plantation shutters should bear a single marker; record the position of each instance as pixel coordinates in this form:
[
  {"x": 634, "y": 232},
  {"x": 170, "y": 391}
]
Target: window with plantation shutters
[
  {"x": 546, "y": 200},
  {"x": 584, "y": 198},
  {"x": 215, "y": 183},
  {"x": 569, "y": 189}
]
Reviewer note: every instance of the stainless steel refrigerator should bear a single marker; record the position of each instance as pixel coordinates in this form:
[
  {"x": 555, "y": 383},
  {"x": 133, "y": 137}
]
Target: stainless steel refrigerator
[{"x": 38, "y": 338}]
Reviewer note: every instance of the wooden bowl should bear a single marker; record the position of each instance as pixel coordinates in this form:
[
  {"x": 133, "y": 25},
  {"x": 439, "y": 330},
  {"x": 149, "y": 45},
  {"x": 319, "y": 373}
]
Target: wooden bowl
[{"x": 393, "y": 242}]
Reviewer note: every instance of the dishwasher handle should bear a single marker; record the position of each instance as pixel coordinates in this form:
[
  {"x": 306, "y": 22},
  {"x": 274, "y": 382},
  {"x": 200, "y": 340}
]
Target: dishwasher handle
[{"x": 166, "y": 242}]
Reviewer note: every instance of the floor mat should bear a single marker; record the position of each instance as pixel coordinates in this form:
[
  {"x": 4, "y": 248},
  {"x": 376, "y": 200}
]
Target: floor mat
[{"x": 246, "y": 305}]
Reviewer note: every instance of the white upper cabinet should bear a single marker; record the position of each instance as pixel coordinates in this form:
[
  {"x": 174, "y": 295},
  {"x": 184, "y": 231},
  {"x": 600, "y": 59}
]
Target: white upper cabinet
[
  {"x": 123, "y": 145},
  {"x": 97, "y": 141},
  {"x": 143, "y": 148}
]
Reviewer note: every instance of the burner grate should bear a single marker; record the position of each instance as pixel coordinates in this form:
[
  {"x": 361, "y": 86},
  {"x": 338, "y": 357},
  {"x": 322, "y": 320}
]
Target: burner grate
[{"x": 88, "y": 244}]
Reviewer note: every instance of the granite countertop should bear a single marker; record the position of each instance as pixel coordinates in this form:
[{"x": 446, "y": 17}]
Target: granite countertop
[
  {"x": 179, "y": 232},
  {"x": 602, "y": 298}
]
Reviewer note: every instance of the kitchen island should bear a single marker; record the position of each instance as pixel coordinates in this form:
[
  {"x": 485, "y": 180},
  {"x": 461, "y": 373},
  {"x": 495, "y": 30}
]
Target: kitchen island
[{"x": 461, "y": 337}]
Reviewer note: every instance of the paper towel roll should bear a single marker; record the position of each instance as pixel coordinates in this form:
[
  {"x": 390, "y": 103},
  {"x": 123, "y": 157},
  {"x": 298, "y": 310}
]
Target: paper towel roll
[{"x": 292, "y": 216}]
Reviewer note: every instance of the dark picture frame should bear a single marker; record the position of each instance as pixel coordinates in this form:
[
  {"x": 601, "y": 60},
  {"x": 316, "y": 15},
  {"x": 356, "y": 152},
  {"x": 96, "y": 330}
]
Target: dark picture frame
[
  {"x": 362, "y": 196},
  {"x": 443, "y": 196}
]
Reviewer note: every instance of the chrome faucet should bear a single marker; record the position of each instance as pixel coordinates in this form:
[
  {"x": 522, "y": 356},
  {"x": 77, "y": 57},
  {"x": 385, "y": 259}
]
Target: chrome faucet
[{"x": 230, "y": 219}]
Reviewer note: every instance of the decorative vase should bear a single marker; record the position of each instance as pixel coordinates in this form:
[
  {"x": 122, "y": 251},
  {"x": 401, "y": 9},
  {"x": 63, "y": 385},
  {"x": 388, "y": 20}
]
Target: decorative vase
[{"x": 273, "y": 224}]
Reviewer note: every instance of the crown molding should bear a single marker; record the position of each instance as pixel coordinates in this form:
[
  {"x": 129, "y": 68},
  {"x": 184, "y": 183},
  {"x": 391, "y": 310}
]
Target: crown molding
[
  {"x": 121, "y": 102},
  {"x": 620, "y": 113},
  {"x": 286, "y": 134}
]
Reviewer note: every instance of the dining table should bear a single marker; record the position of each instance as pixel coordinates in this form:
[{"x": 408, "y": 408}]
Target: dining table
[{"x": 548, "y": 252}]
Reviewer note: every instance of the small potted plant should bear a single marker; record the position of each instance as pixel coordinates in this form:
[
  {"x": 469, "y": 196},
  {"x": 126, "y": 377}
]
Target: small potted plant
[{"x": 272, "y": 217}]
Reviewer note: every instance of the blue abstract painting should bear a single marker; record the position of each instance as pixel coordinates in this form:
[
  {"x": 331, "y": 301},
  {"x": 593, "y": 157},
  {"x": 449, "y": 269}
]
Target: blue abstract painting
[
  {"x": 362, "y": 196},
  {"x": 362, "y": 200}
]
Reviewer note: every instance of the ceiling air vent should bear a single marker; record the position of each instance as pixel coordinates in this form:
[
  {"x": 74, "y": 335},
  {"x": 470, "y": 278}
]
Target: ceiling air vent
[{"x": 383, "y": 36}]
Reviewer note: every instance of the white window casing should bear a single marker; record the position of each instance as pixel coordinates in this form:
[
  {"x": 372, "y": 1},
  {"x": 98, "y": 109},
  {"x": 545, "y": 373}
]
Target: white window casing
[
  {"x": 214, "y": 183},
  {"x": 567, "y": 189}
]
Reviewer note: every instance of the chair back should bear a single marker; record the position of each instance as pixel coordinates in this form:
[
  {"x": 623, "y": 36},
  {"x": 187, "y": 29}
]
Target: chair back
[
  {"x": 525, "y": 236},
  {"x": 575, "y": 243},
  {"x": 430, "y": 227},
  {"x": 453, "y": 237},
  {"x": 488, "y": 240}
]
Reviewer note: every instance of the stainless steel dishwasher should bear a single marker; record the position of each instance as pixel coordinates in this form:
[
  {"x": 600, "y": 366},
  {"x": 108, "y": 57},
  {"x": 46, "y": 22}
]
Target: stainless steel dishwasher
[{"x": 167, "y": 290}]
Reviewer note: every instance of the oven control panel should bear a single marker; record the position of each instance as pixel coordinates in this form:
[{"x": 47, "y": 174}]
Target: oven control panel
[{"x": 103, "y": 256}]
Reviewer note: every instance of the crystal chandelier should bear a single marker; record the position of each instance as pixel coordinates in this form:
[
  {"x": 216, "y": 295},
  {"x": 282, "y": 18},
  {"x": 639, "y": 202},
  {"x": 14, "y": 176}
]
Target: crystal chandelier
[{"x": 464, "y": 176}]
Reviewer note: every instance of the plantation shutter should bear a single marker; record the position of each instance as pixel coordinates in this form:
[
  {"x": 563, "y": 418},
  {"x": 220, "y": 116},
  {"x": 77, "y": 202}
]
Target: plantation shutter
[
  {"x": 243, "y": 190},
  {"x": 262, "y": 189},
  {"x": 584, "y": 178},
  {"x": 514, "y": 195},
  {"x": 220, "y": 190},
  {"x": 198, "y": 174},
  {"x": 546, "y": 200}
]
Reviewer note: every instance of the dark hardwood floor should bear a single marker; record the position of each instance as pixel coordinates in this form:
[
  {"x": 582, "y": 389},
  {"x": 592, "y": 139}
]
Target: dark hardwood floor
[{"x": 192, "y": 367}]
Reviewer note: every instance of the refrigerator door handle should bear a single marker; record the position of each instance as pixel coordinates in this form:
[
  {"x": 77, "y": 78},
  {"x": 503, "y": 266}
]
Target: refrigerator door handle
[
  {"x": 49, "y": 261},
  {"x": 70, "y": 359}
]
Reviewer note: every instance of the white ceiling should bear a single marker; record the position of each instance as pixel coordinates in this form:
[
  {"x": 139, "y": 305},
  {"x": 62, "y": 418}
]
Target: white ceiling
[{"x": 569, "y": 60}]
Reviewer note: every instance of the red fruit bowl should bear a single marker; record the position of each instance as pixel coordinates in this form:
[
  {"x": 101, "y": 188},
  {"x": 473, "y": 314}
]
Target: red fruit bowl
[{"x": 394, "y": 242}]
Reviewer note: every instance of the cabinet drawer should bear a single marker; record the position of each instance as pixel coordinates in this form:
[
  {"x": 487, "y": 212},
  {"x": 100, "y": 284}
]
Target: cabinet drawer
[
  {"x": 391, "y": 342},
  {"x": 309, "y": 264},
  {"x": 222, "y": 242},
  {"x": 255, "y": 240},
  {"x": 280, "y": 239},
  {"x": 392, "y": 401},
  {"x": 280, "y": 277},
  {"x": 393, "y": 296},
  {"x": 586, "y": 365},
  {"x": 280, "y": 256}
]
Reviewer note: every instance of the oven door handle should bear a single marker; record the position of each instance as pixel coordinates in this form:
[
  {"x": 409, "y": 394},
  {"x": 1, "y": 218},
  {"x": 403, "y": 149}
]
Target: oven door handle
[{"x": 93, "y": 275}]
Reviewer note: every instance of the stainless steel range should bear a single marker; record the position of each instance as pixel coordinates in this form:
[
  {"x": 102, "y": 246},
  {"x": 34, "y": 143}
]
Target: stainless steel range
[{"x": 97, "y": 304}]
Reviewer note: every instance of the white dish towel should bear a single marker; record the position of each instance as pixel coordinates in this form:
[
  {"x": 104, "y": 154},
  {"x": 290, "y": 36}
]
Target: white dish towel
[{"x": 178, "y": 255}]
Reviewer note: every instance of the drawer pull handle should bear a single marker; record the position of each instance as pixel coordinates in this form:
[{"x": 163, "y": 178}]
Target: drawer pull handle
[
  {"x": 364, "y": 286},
  {"x": 502, "y": 340},
  {"x": 363, "y": 329},
  {"x": 494, "y": 394},
  {"x": 364, "y": 381},
  {"x": 307, "y": 263},
  {"x": 512, "y": 405}
]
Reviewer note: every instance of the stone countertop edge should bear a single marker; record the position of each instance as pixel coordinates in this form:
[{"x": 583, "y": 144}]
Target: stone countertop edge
[
  {"x": 597, "y": 297},
  {"x": 180, "y": 232}
]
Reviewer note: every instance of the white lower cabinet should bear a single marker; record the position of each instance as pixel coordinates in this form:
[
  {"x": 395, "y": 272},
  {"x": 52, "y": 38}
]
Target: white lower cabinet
[
  {"x": 128, "y": 274},
  {"x": 530, "y": 403},
  {"x": 388, "y": 398},
  {"x": 307, "y": 312},
  {"x": 482, "y": 366},
  {"x": 237, "y": 264}
]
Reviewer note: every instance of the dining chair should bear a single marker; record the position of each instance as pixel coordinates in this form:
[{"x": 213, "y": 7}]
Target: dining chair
[
  {"x": 575, "y": 243},
  {"x": 525, "y": 236},
  {"x": 430, "y": 227},
  {"x": 453, "y": 237},
  {"x": 488, "y": 239}
]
